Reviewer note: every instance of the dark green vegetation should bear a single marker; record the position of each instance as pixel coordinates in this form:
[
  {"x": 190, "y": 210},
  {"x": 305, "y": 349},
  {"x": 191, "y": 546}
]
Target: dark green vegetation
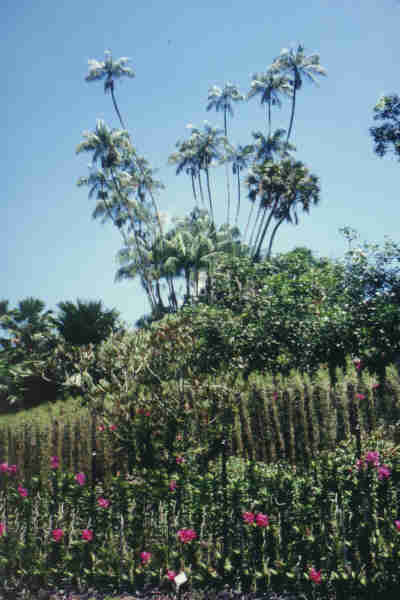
[{"x": 246, "y": 433}]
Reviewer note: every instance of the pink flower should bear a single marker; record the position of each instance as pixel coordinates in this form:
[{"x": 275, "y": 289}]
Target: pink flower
[
  {"x": 375, "y": 386},
  {"x": 103, "y": 502},
  {"x": 372, "y": 457},
  {"x": 101, "y": 428},
  {"x": 171, "y": 575},
  {"x": 179, "y": 460},
  {"x": 87, "y": 535},
  {"x": 248, "y": 517},
  {"x": 359, "y": 463},
  {"x": 4, "y": 467},
  {"x": 314, "y": 575},
  {"x": 57, "y": 534},
  {"x": 147, "y": 413},
  {"x": 357, "y": 363},
  {"x": 384, "y": 472},
  {"x": 54, "y": 462},
  {"x": 145, "y": 557},
  {"x": 2, "y": 529},
  {"x": 23, "y": 492},
  {"x": 397, "y": 523},
  {"x": 113, "y": 427},
  {"x": 172, "y": 485},
  {"x": 80, "y": 478},
  {"x": 186, "y": 535},
  {"x": 360, "y": 396},
  {"x": 12, "y": 469},
  {"x": 262, "y": 520}
]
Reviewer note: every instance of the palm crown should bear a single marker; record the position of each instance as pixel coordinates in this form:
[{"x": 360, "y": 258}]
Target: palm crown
[
  {"x": 296, "y": 65},
  {"x": 109, "y": 70}
]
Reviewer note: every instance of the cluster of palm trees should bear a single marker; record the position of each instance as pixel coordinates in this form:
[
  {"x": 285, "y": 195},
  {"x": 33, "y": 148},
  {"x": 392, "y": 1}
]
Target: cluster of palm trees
[{"x": 125, "y": 187}]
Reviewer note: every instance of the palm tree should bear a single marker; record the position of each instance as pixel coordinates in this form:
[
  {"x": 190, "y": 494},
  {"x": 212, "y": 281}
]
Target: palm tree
[
  {"x": 28, "y": 323},
  {"x": 186, "y": 160},
  {"x": 282, "y": 188},
  {"x": 239, "y": 157},
  {"x": 109, "y": 70},
  {"x": 270, "y": 86},
  {"x": 272, "y": 146},
  {"x": 85, "y": 322},
  {"x": 296, "y": 65},
  {"x": 221, "y": 100},
  {"x": 206, "y": 146}
]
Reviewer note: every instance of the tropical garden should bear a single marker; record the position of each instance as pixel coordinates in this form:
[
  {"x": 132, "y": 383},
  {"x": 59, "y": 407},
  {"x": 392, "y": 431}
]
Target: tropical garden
[{"x": 243, "y": 439}]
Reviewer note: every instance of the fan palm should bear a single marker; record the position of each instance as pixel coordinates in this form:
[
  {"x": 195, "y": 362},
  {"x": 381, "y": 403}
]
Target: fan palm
[
  {"x": 270, "y": 86},
  {"x": 297, "y": 66},
  {"x": 282, "y": 188},
  {"x": 109, "y": 70},
  {"x": 272, "y": 146},
  {"x": 85, "y": 322}
]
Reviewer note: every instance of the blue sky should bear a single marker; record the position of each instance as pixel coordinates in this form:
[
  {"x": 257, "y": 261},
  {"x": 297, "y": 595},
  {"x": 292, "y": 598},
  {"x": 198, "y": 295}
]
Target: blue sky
[{"x": 50, "y": 246}]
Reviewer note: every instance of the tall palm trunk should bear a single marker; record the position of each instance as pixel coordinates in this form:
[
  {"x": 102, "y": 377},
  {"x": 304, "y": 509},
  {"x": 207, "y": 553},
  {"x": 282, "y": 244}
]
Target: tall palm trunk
[
  {"x": 201, "y": 188},
  {"x": 194, "y": 189},
  {"x": 292, "y": 115},
  {"x": 209, "y": 193},
  {"x": 228, "y": 184},
  {"x": 269, "y": 119},
  {"x": 271, "y": 241},
  {"x": 264, "y": 233},
  {"x": 248, "y": 220},
  {"x": 115, "y": 105},
  {"x": 238, "y": 202},
  {"x": 255, "y": 223}
]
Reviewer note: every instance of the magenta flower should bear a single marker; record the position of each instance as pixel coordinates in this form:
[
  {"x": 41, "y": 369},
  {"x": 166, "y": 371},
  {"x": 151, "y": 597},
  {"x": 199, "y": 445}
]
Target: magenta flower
[
  {"x": 314, "y": 575},
  {"x": 4, "y": 467},
  {"x": 2, "y": 529},
  {"x": 179, "y": 460},
  {"x": 87, "y": 535},
  {"x": 23, "y": 492},
  {"x": 113, "y": 427},
  {"x": 357, "y": 363},
  {"x": 57, "y": 534},
  {"x": 248, "y": 517},
  {"x": 80, "y": 478},
  {"x": 384, "y": 472},
  {"x": 397, "y": 523},
  {"x": 54, "y": 462},
  {"x": 373, "y": 458},
  {"x": 172, "y": 485},
  {"x": 12, "y": 469},
  {"x": 186, "y": 535},
  {"x": 360, "y": 396},
  {"x": 262, "y": 520},
  {"x": 145, "y": 557},
  {"x": 171, "y": 575},
  {"x": 101, "y": 428},
  {"x": 103, "y": 502}
]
